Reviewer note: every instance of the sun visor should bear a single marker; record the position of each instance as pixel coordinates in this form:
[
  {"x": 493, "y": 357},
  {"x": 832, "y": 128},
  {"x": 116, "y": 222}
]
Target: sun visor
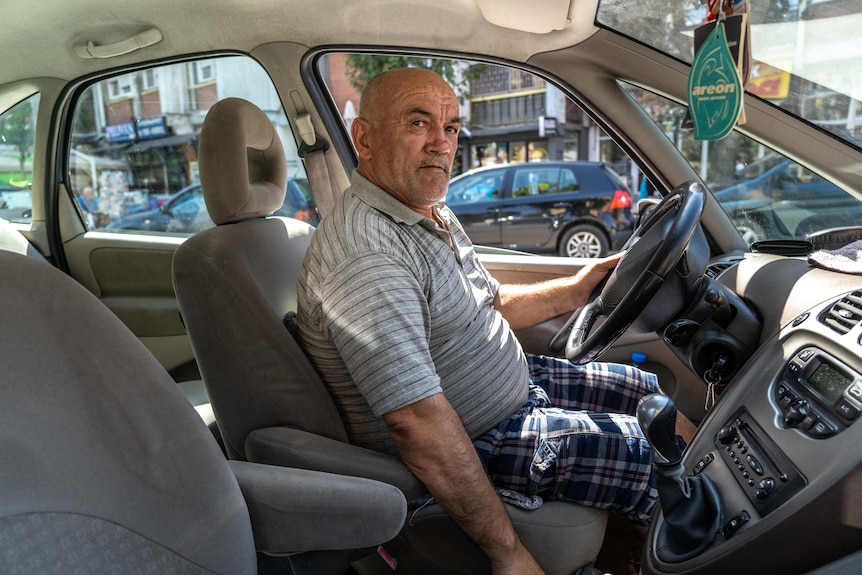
[{"x": 543, "y": 16}]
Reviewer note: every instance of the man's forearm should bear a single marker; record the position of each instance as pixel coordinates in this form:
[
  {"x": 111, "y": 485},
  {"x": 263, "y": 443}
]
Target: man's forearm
[
  {"x": 528, "y": 305},
  {"x": 433, "y": 444}
]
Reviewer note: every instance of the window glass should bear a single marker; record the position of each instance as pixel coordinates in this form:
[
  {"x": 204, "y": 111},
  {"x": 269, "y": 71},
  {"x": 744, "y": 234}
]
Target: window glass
[
  {"x": 133, "y": 159},
  {"x": 17, "y": 144},
  {"x": 508, "y": 115},
  {"x": 568, "y": 181},
  {"x": 479, "y": 187},
  {"x": 765, "y": 194},
  {"x": 513, "y": 123},
  {"x": 535, "y": 181}
]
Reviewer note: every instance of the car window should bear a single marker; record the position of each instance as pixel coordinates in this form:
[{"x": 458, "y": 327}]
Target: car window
[
  {"x": 479, "y": 187},
  {"x": 519, "y": 134},
  {"x": 17, "y": 139},
  {"x": 133, "y": 158},
  {"x": 568, "y": 181},
  {"x": 535, "y": 181},
  {"x": 508, "y": 115},
  {"x": 766, "y": 195}
]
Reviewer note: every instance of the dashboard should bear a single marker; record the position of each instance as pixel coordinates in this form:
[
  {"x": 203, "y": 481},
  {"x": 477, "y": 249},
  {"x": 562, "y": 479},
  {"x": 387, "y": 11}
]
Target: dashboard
[{"x": 783, "y": 443}]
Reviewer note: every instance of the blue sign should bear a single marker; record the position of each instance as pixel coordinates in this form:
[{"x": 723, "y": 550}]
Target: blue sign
[
  {"x": 146, "y": 129},
  {"x": 124, "y": 132},
  {"x": 154, "y": 127}
]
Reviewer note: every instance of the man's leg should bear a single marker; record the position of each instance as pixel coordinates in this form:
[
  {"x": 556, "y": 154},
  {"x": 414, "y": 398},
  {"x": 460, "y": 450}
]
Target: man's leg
[
  {"x": 601, "y": 387},
  {"x": 595, "y": 459}
]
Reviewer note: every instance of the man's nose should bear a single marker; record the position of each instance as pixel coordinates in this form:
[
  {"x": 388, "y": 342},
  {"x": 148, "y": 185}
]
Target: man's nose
[{"x": 439, "y": 141}]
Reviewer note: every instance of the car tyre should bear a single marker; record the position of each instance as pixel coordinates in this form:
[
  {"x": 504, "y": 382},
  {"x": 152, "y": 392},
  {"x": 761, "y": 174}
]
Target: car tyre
[{"x": 583, "y": 241}]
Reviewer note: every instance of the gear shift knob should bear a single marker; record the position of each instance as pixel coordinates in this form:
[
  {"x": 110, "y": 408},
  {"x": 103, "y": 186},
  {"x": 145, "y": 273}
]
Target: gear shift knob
[
  {"x": 690, "y": 504},
  {"x": 657, "y": 417}
]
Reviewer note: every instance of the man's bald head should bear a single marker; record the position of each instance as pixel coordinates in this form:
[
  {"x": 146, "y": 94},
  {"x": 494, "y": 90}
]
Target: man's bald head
[
  {"x": 385, "y": 87},
  {"x": 406, "y": 135}
]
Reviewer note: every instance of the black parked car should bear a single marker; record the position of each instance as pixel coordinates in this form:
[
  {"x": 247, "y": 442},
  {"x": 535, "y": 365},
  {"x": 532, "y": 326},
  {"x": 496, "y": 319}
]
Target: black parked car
[
  {"x": 186, "y": 212},
  {"x": 567, "y": 208}
]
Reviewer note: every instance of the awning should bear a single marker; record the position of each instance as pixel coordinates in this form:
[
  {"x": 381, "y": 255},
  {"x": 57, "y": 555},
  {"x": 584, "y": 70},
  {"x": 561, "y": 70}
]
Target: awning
[{"x": 169, "y": 141}]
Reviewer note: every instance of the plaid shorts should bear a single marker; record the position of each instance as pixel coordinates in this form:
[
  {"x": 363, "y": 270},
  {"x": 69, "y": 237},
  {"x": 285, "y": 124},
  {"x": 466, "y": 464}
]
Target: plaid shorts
[{"x": 577, "y": 439}]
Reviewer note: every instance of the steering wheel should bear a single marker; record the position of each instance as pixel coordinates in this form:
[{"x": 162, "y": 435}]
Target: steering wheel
[{"x": 653, "y": 251}]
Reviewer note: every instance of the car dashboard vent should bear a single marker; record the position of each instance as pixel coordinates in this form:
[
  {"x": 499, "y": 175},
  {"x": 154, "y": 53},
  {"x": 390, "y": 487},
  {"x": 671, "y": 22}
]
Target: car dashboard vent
[
  {"x": 715, "y": 269},
  {"x": 844, "y": 314}
]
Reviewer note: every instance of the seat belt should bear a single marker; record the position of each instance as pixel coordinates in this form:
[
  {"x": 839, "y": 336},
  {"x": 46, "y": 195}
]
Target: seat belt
[{"x": 313, "y": 150}]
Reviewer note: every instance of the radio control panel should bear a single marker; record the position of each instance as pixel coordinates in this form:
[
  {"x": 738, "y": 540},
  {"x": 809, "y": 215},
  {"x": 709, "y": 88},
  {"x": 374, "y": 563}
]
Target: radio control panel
[
  {"x": 818, "y": 394},
  {"x": 765, "y": 474}
]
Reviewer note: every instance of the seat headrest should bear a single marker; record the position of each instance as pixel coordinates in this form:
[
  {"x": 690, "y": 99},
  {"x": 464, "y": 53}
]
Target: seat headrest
[{"x": 242, "y": 164}]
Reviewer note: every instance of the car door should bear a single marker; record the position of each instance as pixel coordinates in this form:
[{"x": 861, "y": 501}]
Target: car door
[
  {"x": 529, "y": 213},
  {"x": 476, "y": 199},
  {"x": 134, "y": 140}
]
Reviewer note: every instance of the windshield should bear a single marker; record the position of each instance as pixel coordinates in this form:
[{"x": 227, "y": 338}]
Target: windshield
[
  {"x": 806, "y": 55},
  {"x": 806, "y": 60}
]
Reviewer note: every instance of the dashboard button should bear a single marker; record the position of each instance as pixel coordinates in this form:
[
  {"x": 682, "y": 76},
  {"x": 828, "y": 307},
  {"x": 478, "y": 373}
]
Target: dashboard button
[
  {"x": 755, "y": 465},
  {"x": 847, "y": 410},
  {"x": 821, "y": 429},
  {"x": 796, "y": 412},
  {"x": 765, "y": 488},
  {"x": 727, "y": 435}
]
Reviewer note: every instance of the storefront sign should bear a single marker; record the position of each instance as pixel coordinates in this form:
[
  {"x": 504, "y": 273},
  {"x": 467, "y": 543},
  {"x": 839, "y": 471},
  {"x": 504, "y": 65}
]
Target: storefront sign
[
  {"x": 146, "y": 129},
  {"x": 124, "y": 132},
  {"x": 547, "y": 126},
  {"x": 769, "y": 82},
  {"x": 154, "y": 127}
]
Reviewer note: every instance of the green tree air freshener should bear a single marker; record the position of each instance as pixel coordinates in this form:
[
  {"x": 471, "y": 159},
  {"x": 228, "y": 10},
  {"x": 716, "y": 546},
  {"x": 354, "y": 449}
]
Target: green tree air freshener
[{"x": 714, "y": 87}]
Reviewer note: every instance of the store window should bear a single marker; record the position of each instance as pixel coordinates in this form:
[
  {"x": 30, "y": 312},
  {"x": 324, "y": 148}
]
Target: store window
[{"x": 133, "y": 162}]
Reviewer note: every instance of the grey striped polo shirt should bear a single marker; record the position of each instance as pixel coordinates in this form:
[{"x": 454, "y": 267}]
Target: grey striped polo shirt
[{"x": 394, "y": 309}]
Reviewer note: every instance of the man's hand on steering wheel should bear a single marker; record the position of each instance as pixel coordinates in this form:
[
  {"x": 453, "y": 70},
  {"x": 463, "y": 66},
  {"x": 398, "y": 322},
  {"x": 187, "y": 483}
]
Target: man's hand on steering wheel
[
  {"x": 651, "y": 255},
  {"x": 589, "y": 277}
]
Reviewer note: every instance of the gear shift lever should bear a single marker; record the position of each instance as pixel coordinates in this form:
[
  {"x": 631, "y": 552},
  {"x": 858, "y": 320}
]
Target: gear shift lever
[{"x": 691, "y": 506}]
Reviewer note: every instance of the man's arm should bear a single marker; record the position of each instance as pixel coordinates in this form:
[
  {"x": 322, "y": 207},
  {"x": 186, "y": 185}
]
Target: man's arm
[
  {"x": 434, "y": 445},
  {"x": 527, "y": 305}
]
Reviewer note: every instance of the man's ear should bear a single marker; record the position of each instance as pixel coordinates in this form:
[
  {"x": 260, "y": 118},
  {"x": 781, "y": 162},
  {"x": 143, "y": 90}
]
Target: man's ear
[{"x": 360, "y": 131}]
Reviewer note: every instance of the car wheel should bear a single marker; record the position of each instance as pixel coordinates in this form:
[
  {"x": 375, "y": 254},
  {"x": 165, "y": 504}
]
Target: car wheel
[{"x": 583, "y": 241}]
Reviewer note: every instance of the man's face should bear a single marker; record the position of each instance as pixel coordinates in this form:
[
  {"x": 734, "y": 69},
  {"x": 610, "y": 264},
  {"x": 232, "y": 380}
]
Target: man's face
[{"x": 412, "y": 141}]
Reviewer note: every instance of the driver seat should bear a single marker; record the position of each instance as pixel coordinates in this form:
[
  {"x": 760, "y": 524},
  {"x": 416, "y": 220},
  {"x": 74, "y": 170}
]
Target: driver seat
[{"x": 235, "y": 284}]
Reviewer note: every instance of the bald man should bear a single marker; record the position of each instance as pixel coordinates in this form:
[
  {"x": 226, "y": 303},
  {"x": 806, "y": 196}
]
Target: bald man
[{"x": 414, "y": 340}]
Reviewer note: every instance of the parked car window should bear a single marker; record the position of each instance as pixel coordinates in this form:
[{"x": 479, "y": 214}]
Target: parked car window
[
  {"x": 478, "y": 187},
  {"x": 569, "y": 183},
  {"x": 536, "y": 181},
  {"x": 17, "y": 139},
  {"x": 767, "y": 195},
  {"x": 133, "y": 162}
]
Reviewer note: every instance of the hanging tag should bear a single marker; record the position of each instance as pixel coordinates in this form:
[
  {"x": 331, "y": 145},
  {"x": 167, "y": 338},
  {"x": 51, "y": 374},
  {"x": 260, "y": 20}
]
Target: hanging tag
[{"x": 714, "y": 87}]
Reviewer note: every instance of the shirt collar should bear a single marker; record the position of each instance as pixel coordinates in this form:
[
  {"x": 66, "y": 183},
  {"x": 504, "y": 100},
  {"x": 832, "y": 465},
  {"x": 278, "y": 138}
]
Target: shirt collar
[{"x": 382, "y": 201}]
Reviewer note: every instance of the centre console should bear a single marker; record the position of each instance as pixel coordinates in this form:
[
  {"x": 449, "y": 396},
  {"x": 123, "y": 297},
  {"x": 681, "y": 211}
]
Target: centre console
[{"x": 782, "y": 448}]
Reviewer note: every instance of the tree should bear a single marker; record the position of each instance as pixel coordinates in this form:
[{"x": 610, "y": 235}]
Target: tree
[
  {"x": 362, "y": 67},
  {"x": 16, "y": 128}
]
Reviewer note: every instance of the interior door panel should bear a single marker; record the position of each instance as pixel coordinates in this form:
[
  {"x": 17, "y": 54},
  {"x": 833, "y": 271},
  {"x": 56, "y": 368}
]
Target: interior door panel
[{"x": 131, "y": 274}]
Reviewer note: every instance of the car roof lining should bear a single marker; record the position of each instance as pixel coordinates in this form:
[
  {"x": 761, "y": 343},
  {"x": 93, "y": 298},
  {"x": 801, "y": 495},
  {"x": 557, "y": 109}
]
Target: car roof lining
[{"x": 422, "y": 25}]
